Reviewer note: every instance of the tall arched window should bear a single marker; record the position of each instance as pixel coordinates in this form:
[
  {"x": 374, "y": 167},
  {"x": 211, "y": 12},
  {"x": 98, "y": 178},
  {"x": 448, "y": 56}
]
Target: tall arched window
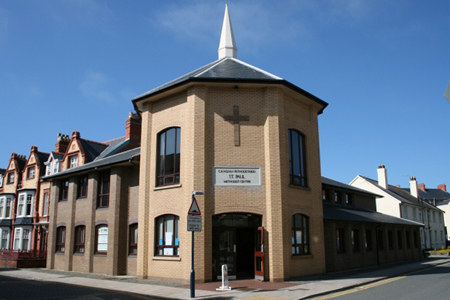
[
  {"x": 297, "y": 158},
  {"x": 167, "y": 240},
  {"x": 168, "y": 164},
  {"x": 300, "y": 235}
]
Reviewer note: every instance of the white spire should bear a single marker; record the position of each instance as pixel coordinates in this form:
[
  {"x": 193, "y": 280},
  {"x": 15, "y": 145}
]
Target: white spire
[{"x": 227, "y": 45}]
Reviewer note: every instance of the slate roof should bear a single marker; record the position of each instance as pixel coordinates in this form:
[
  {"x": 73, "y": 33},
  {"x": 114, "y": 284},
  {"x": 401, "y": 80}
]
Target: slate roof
[
  {"x": 110, "y": 160},
  {"x": 403, "y": 195},
  {"x": 2, "y": 171},
  {"x": 355, "y": 214},
  {"x": 92, "y": 149},
  {"x": 228, "y": 69},
  {"x": 43, "y": 157},
  {"x": 113, "y": 147},
  {"x": 331, "y": 182},
  {"x": 433, "y": 194}
]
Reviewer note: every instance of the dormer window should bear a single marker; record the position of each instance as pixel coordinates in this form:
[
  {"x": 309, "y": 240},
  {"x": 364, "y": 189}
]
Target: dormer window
[
  {"x": 55, "y": 165},
  {"x": 73, "y": 161},
  {"x": 31, "y": 171},
  {"x": 11, "y": 178}
]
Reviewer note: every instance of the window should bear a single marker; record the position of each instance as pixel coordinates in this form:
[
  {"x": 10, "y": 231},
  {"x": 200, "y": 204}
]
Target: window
[
  {"x": 45, "y": 210},
  {"x": 64, "y": 190},
  {"x": 368, "y": 241},
  {"x": 2, "y": 207},
  {"x": 60, "y": 239},
  {"x": 82, "y": 186},
  {"x": 399, "y": 240},
  {"x": 434, "y": 216},
  {"x": 340, "y": 240},
  {"x": 420, "y": 215},
  {"x": 300, "y": 235},
  {"x": 4, "y": 236},
  {"x": 324, "y": 195},
  {"x": 1, "y": 180},
  {"x": 355, "y": 240},
  {"x": 337, "y": 197},
  {"x": 167, "y": 242},
  {"x": 101, "y": 239},
  {"x": 297, "y": 158},
  {"x": 11, "y": 178},
  {"x": 103, "y": 190},
  {"x": 404, "y": 211},
  {"x": 31, "y": 171},
  {"x": 168, "y": 164},
  {"x": 414, "y": 213},
  {"x": 348, "y": 199},
  {"x": 73, "y": 161},
  {"x": 390, "y": 240},
  {"x": 25, "y": 204},
  {"x": 133, "y": 239},
  {"x": 80, "y": 233},
  {"x": 21, "y": 205},
  {"x": 5, "y": 207},
  {"x": 22, "y": 239}
]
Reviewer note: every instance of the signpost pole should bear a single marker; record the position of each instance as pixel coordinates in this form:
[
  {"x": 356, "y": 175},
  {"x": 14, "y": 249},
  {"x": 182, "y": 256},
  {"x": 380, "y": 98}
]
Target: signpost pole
[
  {"x": 194, "y": 210},
  {"x": 192, "y": 268}
]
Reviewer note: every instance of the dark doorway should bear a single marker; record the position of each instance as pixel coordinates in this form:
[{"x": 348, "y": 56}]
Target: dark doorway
[{"x": 234, "y": 245}]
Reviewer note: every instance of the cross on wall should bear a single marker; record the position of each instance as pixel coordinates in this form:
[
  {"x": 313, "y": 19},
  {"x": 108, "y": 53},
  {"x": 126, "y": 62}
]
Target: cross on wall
[{"x": 236, "y": 118}]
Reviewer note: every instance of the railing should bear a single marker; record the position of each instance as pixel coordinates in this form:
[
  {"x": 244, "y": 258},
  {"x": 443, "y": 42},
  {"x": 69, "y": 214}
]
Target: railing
[{"x": 17, "y": 254}]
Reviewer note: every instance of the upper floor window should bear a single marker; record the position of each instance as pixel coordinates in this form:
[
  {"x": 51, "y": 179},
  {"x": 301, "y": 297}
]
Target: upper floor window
[
  {"x": 103, "y": 190},
  {"x": 45, "y": 208},
  {"x": 60, "y": 239},
  {"x": 11, "y": 178},
  {"x": 167, "y": 242},
  {"x": 25, "y": 205},
  {"x": 1, "y": 180},
  {"x": 420, "y": 215},
  {"x": 348, "y": 199},
  {"x": 337, "y": 197},
  {"x": 300, "y": 235},
  {"x": 324, "y": 195},
  {"x": 73, "y": 160},
  {"x": 404, "y": 211},
  {"x": 133, "y": 239},
  {"x": 31, "y": 171},
  {"x": 82, "y": 186},
  {"x": 80, "y": 232},
  {"x": 297, "y": 158},
  {"x": 5, "y": 207},
  {"x": 101, "y": 239},
  {"x": 168, "y": 157},
  {"x": 64, "y": 190}
]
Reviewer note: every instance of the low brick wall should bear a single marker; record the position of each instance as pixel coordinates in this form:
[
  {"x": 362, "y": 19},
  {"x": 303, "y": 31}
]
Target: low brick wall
[{"x": 23, "y": 259}]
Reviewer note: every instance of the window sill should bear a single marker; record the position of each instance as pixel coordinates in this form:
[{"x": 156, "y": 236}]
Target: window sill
[
  {"x": 168, "y": 258},
  {"x": 300, "y": 187},
  {"x": 102, "y": 208},
  {"x": 78, "y": 254},
  {"x": 100, "y": 255},
  {"x": 305, "y": 256},
  {"x": 59, "y": 253},
  {"x": 82, "y": 198},
  {"x": 165, "y": 187}
]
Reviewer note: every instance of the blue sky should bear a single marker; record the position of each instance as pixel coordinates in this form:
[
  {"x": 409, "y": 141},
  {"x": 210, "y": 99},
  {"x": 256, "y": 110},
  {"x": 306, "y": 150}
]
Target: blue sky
[{"x": 382, "y": 66}]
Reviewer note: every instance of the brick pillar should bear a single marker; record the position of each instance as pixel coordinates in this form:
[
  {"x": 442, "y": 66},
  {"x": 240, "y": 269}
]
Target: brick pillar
[
  {"x": 53, "y": 209},
  {"x": 114, "y": 221}
]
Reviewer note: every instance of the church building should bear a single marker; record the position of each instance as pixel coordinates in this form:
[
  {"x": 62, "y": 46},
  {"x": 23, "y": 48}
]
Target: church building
[{"x": 248, "y": 141}]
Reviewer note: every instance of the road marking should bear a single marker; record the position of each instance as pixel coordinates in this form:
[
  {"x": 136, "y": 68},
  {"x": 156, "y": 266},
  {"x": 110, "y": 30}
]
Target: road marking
[{"x": 360, "y": 288}]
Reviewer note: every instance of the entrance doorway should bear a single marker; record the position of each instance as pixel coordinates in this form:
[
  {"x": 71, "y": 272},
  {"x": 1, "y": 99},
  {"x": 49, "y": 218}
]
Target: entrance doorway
[{"x": 234, "y": 244}]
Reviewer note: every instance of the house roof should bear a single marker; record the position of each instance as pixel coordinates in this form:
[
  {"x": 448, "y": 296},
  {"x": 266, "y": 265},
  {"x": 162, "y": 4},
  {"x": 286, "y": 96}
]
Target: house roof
[
  {"x": 107, "y": 161},
  {"x": 402, "y": 195},
  {"x": 43, "y": 157},
  {"x": 331, "y": 182},
  {"x": 92, "y": 149},
  {"x": 433, "y": 194},
  {"x": 355, "y": 214},
  {"x": 228, "y": 69}
]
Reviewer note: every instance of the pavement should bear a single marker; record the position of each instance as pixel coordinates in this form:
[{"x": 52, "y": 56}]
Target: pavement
[{"x": 242, "y": 289}]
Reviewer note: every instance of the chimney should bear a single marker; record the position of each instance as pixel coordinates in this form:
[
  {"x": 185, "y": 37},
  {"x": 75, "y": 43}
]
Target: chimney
[
  {"x": 133, "y": 130},
  {"x": 422, "y": 186},
  {"x": 413, "y": 189},
  {"x": 34, "y": 149},
  {"x": 382, "y": 177},
  {"x": 62, "y": 143},
  {"x": 442, "y": 187}
]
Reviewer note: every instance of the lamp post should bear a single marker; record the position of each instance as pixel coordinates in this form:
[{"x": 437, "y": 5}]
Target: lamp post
[{"x": 194, "y": 206}]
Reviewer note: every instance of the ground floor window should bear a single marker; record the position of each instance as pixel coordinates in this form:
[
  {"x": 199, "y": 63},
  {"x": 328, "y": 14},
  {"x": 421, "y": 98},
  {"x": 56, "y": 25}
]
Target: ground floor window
[
  {"x": 368, "y": 242},
  {"x": 80, "y": 232},
  {"x": 4, "y": 236},
  {"x": 300, "y": 235},
  {"x": 133, "y": 239},
  {"x": 101, "y": 238},
  {"x": 355, "y": 240},
  {"x": 340, "y": 240},
  {"x": 167, "y": 241},
  {"x": 399, "y": 239},
  {"x": 60, "y": 239},
  {"x": 22, "y": 239}
]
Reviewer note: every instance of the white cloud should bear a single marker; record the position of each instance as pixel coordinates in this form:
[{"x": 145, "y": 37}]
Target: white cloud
[{"x": 97, "y": 86}]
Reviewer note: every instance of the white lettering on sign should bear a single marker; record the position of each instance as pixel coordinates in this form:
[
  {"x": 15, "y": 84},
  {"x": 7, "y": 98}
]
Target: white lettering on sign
[
  {"x": 237, "y": 176},
  {"x": 194, "y": 223}
]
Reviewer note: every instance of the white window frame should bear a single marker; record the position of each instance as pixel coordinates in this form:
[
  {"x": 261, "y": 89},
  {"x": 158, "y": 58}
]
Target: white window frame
[
  {"x": 31, "y": 172},
  {"x": 25, "y": 199},
  {"x": 8, "y": 235},
  {"x": 4, "y": 201},
  {"x": 73, "y": 161},
  {"x": 45, "y": 208},
  {"x": 1, "y": 180},
  {"x": 18, "y": 236}
]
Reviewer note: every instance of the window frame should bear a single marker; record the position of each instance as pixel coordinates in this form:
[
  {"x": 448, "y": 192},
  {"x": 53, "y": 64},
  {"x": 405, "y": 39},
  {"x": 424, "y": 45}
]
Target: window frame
[
  {"x": 10, "y": 178},
  {"x": 302, "y": 247},
  {"x": 133, "y": 239},
  {"x": 97, "y": 239},
  {"x": 297, "y": 159},
  {"x": 340, "y": 240},
  {"x": 161, "y": 244},
  {"x": 82, "y": 190},
  {"x": 163, "y": 163},
  {"x": 3, "y": 232},
  {"x": 46, "y": 199},
  {"x": 60, "y": 246},
  {"x": 80, "y": 239},
  {"x": 31, "y": 172},
  {"x": 73, "y": 161},
  {"x": 103, "y": 189},
  {"x": 64, "y": 190},
  {"x": 355, "y": 240},
  {"x": 20, "y": 238}
]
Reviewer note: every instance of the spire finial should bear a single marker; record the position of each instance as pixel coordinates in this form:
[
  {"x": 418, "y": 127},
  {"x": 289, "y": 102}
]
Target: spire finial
[{"x": 227, "y": 45}]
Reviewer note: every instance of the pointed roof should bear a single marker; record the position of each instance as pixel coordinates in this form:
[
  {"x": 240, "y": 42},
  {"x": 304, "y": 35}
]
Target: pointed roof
[{"x": 227, "y": 45}]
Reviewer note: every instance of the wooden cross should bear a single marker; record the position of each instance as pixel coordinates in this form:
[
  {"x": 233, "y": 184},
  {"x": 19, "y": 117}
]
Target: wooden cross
[{"x": 236, "y": 118}]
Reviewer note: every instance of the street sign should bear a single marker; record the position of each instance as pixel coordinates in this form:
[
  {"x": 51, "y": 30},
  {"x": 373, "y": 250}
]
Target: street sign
[
  {"x": 194, "y": 223},
  {"x": 194, "y": 210}
]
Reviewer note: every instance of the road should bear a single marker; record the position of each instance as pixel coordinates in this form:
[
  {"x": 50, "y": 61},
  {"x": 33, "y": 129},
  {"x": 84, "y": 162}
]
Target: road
[
  {"x": 13, "y": 288},
  {"x": 432, "y": 283}
]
